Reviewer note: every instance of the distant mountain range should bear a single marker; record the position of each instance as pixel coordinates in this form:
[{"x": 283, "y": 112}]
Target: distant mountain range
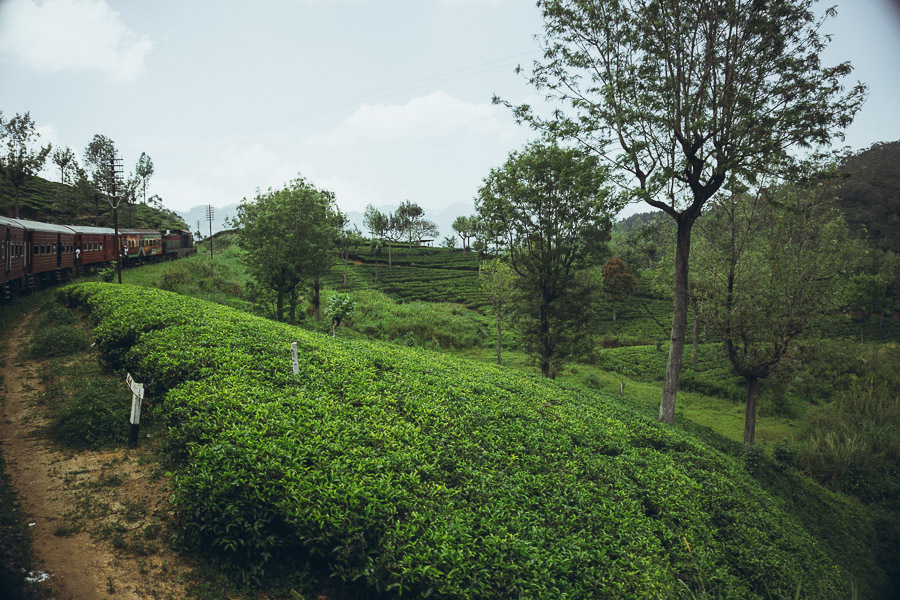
[{"x": 197, "y": 220}]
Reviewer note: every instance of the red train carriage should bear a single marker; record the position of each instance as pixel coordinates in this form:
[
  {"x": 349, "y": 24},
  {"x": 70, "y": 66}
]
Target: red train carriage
[
  {"x": 49, "y": 252},
  {"x": 12, "y": 253},
  {"x": 96, "y": 244}
]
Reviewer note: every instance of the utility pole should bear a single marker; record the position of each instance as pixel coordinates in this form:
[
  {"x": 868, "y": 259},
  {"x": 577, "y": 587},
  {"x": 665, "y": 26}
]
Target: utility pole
[
  {"x": 115, "y": 176},
  {"x": 210, "y": 213}
]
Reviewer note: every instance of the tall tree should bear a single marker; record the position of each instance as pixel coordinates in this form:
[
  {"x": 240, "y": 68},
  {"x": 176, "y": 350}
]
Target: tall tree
[
  {"x": 64, "y": 159},
  {"x": 465, "y": 228},
  {"x": 498, "y": 284},
  {"x": 286, "y": 234},
  {"x": 547, "y": 207},
  {"x": 378, "y": 225},
  {"x": 618, "y": 282},
  {"x": 22, "y": 159},
  {"x": 348, "y": 238},
  {"x": 412, "y": 224},
  {"x": 865, "y": 294},
  {"x": 767, "y": 268},
  {"x": 99, "y": 156},
  {"x": 144, "y": 170},
  {"x": 681, "y": 97}
]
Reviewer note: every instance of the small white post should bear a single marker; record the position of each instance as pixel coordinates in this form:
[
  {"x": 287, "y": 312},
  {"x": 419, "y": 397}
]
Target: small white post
[
  {"x": 137, "y": 396},
  {"x": 294, "y": 361}
]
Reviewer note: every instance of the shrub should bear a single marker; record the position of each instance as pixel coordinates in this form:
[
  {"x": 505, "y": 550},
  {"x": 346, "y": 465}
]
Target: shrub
[
  {"x": 108, "y": 273},
  {"x": 97, "y": 416},
  {"x": 58, "y": 341}
]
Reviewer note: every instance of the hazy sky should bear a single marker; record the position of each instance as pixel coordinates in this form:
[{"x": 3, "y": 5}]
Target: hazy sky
[{"x": 377, "y": 100}]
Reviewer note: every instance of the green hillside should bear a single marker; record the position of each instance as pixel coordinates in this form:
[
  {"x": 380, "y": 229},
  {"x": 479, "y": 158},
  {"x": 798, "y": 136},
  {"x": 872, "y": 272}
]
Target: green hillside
[
  {"x": 423, "y": 475},
  {"x": 51, "y": 202}
]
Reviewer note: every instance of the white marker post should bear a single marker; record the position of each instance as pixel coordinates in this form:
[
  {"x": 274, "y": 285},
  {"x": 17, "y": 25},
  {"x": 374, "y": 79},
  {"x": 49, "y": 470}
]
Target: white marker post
[
  {"x": 137, "y": 395},
  {"x": 294, "y": 361}
]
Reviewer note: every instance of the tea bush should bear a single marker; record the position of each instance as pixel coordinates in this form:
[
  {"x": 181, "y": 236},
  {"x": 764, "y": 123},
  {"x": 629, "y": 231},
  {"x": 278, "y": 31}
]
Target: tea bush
[
  {"x": 428, "y": 476},
  {"x": 96, "y": 417}
]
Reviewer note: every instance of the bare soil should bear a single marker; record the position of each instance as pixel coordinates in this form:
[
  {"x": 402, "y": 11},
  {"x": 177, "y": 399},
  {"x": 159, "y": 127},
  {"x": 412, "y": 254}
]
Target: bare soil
[{"x": 99, "y": 521}]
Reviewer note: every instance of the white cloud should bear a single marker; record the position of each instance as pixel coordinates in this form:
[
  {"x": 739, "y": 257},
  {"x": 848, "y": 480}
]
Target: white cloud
[
  {"x": 78, "y": 35},
  {"x": 435, "y": 115}
]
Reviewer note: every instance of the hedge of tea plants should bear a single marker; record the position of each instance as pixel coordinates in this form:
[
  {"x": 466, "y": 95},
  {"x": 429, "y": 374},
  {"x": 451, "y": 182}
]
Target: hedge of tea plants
[{"x": 427, "y": 476}]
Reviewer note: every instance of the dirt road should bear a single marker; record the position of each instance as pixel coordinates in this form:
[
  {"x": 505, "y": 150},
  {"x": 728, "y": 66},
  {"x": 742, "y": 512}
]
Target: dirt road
[{"x": 97, "y": 520}]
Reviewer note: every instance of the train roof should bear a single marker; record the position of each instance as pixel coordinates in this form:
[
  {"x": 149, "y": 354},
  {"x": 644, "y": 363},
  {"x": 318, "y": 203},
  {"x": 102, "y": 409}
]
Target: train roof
[
  {"x": 10, "y": 223},
  {"x": 92, "y": 230},
  {"x": 139, "y": 231},
  {"x": 45, "y": 227}
]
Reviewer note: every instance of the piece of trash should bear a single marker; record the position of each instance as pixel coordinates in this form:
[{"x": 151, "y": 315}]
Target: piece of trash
[
  {"x": 37, "y": 576},
  {"x": 32, "y": 524}
]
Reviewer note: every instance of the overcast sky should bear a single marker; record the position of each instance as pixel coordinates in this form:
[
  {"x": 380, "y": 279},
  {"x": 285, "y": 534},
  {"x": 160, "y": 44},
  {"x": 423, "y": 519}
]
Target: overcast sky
[{"x": 378, "y": 100}]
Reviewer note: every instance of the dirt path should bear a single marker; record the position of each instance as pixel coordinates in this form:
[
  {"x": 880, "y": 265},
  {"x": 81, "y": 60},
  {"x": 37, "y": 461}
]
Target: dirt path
[{"x": 97, "y": 519}]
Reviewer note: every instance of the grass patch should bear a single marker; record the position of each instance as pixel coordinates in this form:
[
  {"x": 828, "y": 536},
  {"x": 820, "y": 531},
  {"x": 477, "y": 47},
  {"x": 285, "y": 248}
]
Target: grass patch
[{"x": 96, "y": 417}]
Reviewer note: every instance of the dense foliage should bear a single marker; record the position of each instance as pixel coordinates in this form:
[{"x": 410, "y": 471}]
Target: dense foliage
[{"x": 429, "y": 476}]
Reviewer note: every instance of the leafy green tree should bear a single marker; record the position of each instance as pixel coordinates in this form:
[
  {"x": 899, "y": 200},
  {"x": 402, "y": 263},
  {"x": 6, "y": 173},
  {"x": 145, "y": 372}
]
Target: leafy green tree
[
  {"x": 339, "y": 309},
  {"x": 498, "y": 284},
  {"x": 288, "y": 237},
  {"x": 64, "y": 159},
  {"x": 548, "y": 209},
  {"x": 98, "y": 160},
  {"x": 21, "y": 159},
  {"x": 144, "y": 170},
  {"x": 890, "y": 274},
  {"x": 618, "y": 282},
  {"x": 376, "y": 246},
  {"x": 348, "y": 238},
  {"x": 682, "y": 97},
  {"x": 378, "y": 225},
  {"x": 865, "y": 295},
  {"x": 412, "y": 222},
  {"x": 449, "y": 241},
  {"x": 767, "y": 269},
  {"x": 465, "y": 228}
]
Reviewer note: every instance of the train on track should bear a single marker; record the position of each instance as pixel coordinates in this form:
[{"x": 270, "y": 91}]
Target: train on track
[{"x": 36, "y": 254}]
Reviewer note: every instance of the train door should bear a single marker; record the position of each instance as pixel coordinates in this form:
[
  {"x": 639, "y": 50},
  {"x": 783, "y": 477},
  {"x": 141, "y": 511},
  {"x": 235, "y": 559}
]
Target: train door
[{"x": 59, "y": 250}]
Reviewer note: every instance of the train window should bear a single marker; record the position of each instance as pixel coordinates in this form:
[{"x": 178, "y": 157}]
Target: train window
[{"x": 101, "y": 245}]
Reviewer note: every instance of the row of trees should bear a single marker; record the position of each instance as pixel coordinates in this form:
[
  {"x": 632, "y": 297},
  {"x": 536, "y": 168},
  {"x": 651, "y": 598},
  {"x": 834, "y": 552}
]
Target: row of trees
[
  {"x": 23, "y": 158},
  {"x": 406, "y": 224},
  {"x": 680, "y": 103}
]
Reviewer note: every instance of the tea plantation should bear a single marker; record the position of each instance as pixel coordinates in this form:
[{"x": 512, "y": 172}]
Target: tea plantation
[{"x": 421, "y": 475}]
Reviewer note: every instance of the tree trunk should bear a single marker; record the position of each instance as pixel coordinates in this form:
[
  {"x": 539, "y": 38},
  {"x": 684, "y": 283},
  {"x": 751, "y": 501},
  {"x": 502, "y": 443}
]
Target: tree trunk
[
  {"x": 544, "y": 334},
  {"x": 614, "y": 311},
  {"x": 499, "y": 338},
  {"x": 293, "y": 306},
  {"x": 316, "y": 286},
  {"x": 696, "y": 337},
  {"x": 679, "y": 322},
  {"x": 333, "y": 329},
  {"x": 750, "y": 414}
]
